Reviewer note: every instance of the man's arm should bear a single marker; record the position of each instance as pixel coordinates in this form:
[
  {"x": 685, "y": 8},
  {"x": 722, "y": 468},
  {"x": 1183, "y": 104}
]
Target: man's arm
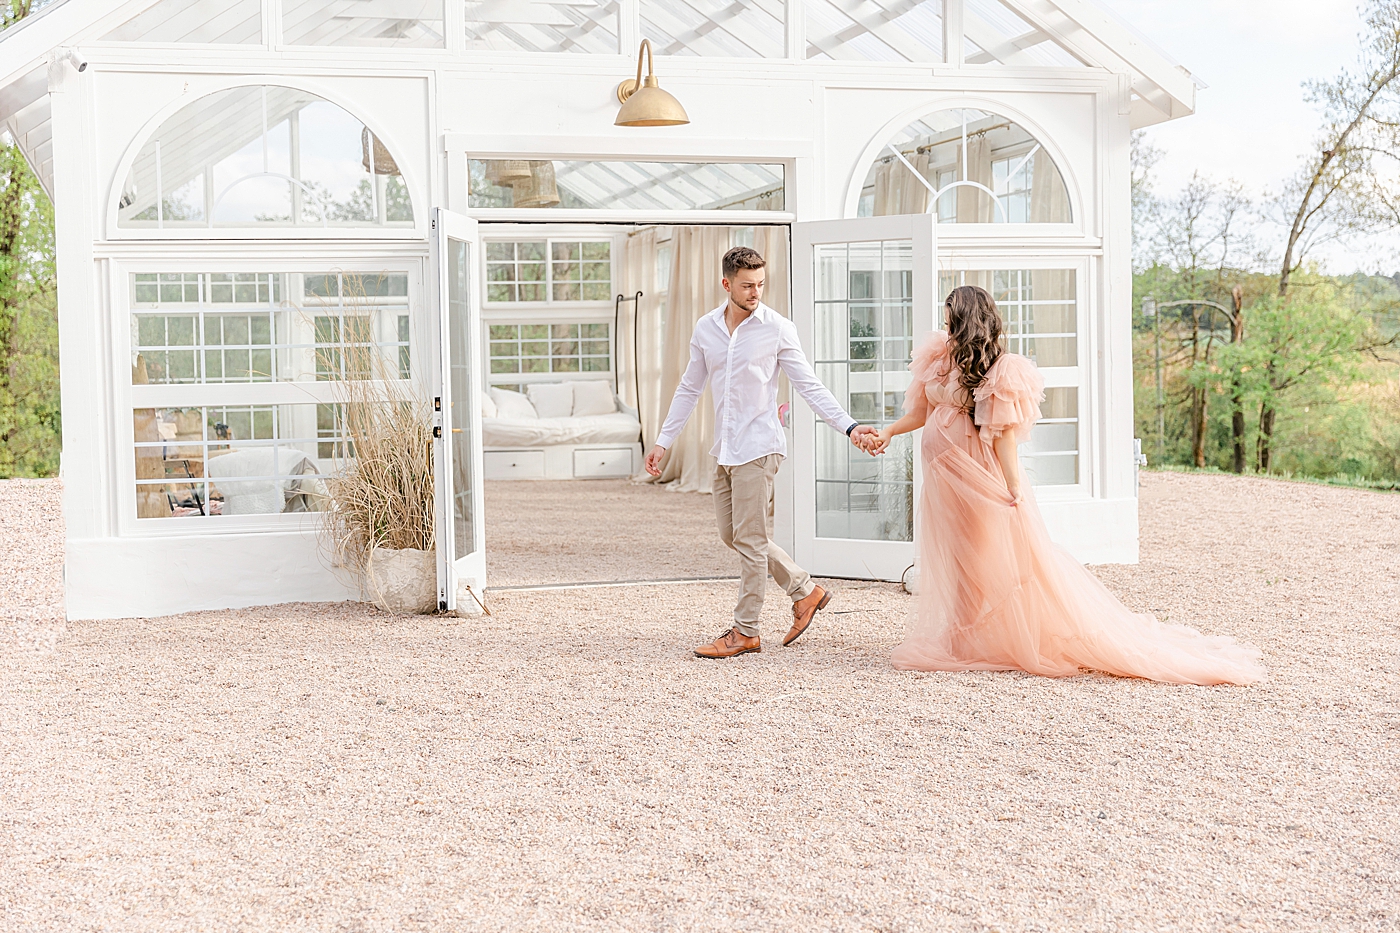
[
  {"x": 682, "y": 404},
  {"x": 818, "y": 396}
]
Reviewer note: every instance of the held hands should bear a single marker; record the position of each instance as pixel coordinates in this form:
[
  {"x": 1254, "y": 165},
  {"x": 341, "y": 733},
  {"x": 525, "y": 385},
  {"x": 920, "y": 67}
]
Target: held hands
[{"x": 870, "y": 440}]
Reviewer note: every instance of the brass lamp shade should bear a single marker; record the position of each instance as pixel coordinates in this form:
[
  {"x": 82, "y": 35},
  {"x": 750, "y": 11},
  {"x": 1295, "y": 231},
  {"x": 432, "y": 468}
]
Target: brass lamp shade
[{"x": 643, "y": 101}]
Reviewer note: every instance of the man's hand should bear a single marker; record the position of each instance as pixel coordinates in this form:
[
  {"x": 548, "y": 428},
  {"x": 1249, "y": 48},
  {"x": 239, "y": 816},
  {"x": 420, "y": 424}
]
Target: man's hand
[
  {"x": 863, "y": 436},
  {"x": 653, "y": 461}
]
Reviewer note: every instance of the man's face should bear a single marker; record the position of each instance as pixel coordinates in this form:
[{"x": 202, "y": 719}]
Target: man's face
[{"x": 746, "y": 288}]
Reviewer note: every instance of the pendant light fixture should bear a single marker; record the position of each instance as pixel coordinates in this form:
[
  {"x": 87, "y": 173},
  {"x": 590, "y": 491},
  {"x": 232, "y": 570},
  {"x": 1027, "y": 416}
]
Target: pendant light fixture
[{"x": 643, "y": 102}]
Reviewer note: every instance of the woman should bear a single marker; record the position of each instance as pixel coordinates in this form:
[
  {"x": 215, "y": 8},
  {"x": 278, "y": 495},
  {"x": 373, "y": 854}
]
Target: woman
[{"x": 994, "y": 592}]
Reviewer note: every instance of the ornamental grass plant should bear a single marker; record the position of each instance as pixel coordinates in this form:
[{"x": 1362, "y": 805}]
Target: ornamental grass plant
[{"x": 380, "y": 493}]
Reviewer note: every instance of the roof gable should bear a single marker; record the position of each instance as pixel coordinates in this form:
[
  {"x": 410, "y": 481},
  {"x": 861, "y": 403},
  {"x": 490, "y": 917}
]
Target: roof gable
[{"x": 973, "y": 33}]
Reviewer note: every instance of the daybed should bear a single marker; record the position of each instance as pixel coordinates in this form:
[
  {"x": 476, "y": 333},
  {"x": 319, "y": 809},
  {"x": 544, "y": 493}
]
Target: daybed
[{"x": 561, "y": 430}]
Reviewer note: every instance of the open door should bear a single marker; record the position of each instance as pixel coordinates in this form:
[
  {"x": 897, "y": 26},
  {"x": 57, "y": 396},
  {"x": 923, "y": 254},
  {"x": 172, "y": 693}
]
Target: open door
[
  {"x": 461, "y": 535},
  {"x": 863, "y": 295}
]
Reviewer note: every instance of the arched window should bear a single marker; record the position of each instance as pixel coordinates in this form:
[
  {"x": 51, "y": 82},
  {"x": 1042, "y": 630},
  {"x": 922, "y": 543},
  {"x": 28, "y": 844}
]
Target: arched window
[
  {"x": 967, "y": 166},
  {"x": 263, "y": 157}
]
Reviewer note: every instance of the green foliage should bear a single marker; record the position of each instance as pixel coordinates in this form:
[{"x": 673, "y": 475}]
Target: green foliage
[
  {"x": 1318, "y": 383},
  {"x": 30, "y": 425}
]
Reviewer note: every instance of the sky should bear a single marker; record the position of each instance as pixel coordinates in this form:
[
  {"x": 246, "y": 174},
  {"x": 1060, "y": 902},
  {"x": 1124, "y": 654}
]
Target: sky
[{"x": 1252, "y": 123}]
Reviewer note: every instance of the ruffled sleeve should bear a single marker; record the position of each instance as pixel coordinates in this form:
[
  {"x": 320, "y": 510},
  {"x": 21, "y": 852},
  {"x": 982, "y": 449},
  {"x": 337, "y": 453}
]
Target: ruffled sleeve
[
  {"x": 930, "y": 358},
  {"x": 1009, "y": 398}
]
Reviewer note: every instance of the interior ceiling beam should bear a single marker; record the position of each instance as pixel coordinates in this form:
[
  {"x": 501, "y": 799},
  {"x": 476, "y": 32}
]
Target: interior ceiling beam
[{"x": 999, "y": 48}]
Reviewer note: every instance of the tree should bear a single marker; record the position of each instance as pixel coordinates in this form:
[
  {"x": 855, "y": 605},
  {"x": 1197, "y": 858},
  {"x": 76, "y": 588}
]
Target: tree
[
  {"x": 1346, "y": 188},
  {"x": 29, "y": 395},
  {"x": 1197, "y": 246},
  {"x": 1295, "y": 342}
]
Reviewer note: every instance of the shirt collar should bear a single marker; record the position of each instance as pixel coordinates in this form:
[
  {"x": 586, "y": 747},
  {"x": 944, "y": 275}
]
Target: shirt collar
[{"x": 763, "y": 313}]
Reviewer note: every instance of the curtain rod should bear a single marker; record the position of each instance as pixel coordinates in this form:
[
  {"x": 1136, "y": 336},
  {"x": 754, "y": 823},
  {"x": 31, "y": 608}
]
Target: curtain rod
[{"x": 920, "y": 150}]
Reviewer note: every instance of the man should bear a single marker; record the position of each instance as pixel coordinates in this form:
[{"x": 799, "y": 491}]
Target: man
[{"x": 740, "y": 348}]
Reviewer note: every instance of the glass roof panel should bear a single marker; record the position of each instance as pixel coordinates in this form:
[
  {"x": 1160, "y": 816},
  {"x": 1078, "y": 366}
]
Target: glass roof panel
[
  {"x": 386, "y": 23},
  {"x": 213, "y": 22},
  {"x": 659, "y": 186},
  {"x": 719, "y": 28},
  {"x": 875, "y": 30},
  {"x": 1003, "y": 36},
  {"x": 543, "y": 25}
]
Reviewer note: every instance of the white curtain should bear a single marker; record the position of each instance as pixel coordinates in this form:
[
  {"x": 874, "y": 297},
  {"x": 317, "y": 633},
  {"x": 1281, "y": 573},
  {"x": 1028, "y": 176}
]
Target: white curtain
[
  {"x": 1049, "y": 202},
  {"x": 696, "y": 256},
  {"x": 897, "y": 191},
  {"x": 976, "y": 206}
]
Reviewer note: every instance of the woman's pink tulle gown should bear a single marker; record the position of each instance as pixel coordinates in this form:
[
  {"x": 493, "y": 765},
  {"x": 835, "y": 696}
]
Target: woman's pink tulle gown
[{"x": 994, "y": 592}]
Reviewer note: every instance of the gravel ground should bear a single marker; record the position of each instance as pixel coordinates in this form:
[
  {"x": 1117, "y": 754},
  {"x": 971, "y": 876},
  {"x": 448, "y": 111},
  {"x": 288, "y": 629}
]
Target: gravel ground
[
  {"x": 567, "y": 765},
  {"x": 548, "y": 533}
]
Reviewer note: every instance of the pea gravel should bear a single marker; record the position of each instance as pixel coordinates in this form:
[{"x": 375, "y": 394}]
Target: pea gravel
[{"x": 568, "y": 765}]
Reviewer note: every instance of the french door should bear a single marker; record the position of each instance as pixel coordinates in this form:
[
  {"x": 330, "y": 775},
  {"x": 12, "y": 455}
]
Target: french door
[
  {"x": 863, "y": 296},
  {"x": 457, "y": 466}
]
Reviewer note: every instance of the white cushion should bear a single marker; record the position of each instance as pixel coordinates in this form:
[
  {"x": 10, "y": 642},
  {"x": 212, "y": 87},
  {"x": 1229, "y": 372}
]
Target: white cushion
[
  {"x": 552, "y": 399},
  {"x": 512, "y": 404},
  {"x": 488, "y": 405},
  {"x": 593, "y": 398}
]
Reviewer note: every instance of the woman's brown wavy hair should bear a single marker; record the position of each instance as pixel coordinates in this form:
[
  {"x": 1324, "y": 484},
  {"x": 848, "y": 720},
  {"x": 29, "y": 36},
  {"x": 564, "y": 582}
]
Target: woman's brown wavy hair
[{"x": 974, "y": 330}]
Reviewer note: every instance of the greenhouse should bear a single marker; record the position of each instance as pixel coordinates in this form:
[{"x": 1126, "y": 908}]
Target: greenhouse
[{"x": 471, "y": 190}]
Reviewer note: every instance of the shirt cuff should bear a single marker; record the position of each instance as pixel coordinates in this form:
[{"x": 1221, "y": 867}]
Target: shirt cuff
[{"x": 664, "y": 441}]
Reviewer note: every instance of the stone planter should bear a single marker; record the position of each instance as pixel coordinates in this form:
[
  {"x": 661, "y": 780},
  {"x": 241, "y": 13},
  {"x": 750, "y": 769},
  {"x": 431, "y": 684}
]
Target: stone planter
[{"x": 402, "y": 581}]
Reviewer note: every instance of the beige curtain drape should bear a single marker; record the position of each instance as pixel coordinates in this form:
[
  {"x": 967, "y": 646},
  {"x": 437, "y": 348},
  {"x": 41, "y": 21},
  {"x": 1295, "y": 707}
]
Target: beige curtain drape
[
  {"x": 696, "y": 255},
  {"x": 976, "y": 206},
  {"x": 897, "y": 191},
  {"x": 1049, "y": 201}
]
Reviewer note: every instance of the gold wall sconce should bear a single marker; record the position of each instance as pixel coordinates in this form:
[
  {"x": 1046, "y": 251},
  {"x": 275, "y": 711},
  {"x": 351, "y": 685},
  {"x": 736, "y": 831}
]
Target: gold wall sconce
[{"x": 643, "y": 102}]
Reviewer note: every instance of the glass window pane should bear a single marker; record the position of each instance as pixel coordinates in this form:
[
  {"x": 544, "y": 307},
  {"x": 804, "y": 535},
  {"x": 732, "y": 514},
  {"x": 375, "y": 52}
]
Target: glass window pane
[
  {"x": 626, "y": 185},
  {"x": 227, "y": 160},
  {"x": 864, "y": 315},
  {"x": 289, "y": 343},
  {"x": 232, "y": 460},
  {"x": 963, "y": 154}
]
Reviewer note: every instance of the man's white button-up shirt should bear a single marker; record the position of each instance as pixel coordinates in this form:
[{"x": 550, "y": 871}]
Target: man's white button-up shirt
[{"x": 743, "y": 372}]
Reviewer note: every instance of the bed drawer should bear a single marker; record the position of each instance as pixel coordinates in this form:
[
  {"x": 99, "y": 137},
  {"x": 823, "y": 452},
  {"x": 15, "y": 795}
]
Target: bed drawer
[
  {"x": 593, "y": 464},
  {"x": 514, "y": 464}
]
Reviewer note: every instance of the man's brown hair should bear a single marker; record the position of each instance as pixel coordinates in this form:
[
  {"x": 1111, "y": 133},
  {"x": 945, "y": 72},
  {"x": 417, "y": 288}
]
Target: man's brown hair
[{"x": 741, "y": 257}]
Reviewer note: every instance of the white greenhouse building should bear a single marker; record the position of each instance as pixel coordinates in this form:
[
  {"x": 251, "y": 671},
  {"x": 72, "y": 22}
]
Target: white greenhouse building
[{"x": 240, "y": 186}]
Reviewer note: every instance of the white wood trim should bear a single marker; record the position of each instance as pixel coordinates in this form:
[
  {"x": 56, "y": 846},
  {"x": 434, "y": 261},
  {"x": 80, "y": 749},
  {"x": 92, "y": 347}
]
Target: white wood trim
[{"x": 620, "y": 148}]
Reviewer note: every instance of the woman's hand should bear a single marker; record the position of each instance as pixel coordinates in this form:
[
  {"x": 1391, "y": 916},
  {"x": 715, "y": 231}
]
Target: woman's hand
[
  {"x": 878, "y": 442},
  {"x": 1015, "y": 495}
]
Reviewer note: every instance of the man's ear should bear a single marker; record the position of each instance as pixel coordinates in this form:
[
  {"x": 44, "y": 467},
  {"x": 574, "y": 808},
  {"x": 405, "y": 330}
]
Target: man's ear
[{"x": 725, "y": 283}]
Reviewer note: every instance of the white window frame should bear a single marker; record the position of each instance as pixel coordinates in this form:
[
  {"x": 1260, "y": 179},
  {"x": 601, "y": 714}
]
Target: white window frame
[
  {"x": 959, "y": 257},
  {"x": 412, "y": 178},
  {"x": 460, "y": 147},
  {"x": 550, "y": 312},
  {"x": 128, "y": 397}
]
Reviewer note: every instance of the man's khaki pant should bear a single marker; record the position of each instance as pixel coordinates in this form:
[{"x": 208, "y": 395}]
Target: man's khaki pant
[{"x": 744, "y": 509}]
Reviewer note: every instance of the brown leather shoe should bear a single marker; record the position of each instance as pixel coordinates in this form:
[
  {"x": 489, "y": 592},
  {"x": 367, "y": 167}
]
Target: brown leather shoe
[
  {"x": 804, "y": 611},
  {"x": 731, "y": 644}
]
